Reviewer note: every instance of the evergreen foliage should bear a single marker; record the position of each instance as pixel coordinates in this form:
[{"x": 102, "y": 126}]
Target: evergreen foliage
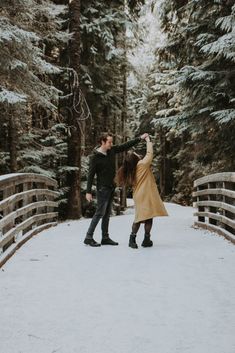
[
  {"x": 28, "y": 98},
  {"x": 37, "y": 83},
  {"x": 191, "y": 93},
  {"x": 182, "y": 93}
]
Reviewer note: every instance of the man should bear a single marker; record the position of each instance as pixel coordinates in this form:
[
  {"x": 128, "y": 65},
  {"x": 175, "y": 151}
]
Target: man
[{"x": 102, "y": 164}]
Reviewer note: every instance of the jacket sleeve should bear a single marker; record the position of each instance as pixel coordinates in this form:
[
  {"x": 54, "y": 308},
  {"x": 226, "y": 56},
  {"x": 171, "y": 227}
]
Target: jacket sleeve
[
  {"x": 91, "y": 174},
  {"x": 126, "y": 146},
  {"x": 147, "y": 160}
]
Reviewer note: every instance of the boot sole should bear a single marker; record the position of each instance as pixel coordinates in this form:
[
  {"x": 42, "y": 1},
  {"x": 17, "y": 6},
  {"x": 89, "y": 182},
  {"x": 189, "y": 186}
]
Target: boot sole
[{"x": 109, "y": 244}]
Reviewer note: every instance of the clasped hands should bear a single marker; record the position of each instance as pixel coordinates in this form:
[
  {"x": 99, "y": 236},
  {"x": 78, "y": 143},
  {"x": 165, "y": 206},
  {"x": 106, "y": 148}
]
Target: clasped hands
[{"x": 145, "y": 137}]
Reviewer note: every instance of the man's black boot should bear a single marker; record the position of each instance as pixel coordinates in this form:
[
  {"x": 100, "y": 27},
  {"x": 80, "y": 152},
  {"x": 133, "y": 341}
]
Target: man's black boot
[
  {"x": 108, "y": 241},
  {"x": 91, "y": 242},
  {"x": 132, "y": 242},
  {"x": 147, "y": 242}
]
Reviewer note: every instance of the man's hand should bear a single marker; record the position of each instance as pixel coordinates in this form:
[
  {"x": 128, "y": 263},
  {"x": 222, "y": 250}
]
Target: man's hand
[
  {"x": 89, "y": 197},
  {"x": 143, "y": 137}
]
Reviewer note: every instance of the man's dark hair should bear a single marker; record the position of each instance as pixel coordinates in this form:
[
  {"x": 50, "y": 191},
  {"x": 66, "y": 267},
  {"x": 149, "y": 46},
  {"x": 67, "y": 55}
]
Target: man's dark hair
[{"x": 104, "y": 136}]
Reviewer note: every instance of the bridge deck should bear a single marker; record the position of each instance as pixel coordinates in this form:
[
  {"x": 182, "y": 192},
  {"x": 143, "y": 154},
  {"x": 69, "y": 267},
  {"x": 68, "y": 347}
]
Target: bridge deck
[{"x": 58, "y": 295}]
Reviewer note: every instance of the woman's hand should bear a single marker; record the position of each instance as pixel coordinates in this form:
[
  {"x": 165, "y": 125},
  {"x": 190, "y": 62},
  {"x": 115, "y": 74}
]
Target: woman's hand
[
  {"x": 89, "y": 197},
  {"x": 143, "y": 137},
  {"x": 147, "y": 139}
]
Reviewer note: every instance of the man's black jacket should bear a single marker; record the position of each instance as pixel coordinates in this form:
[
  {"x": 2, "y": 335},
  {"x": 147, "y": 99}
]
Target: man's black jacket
[{"x": 103, "y": 166}]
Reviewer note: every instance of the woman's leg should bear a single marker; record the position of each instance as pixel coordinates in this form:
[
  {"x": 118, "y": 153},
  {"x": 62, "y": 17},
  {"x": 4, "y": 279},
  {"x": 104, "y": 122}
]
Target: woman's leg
[
  {"x": 135, "y": 227},
  {"x": 147, "y": 227},
  {"x": 132, "y": 242}
]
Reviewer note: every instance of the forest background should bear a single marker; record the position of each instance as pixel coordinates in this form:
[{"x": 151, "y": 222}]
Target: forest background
[{"x": 70, "y": 70}]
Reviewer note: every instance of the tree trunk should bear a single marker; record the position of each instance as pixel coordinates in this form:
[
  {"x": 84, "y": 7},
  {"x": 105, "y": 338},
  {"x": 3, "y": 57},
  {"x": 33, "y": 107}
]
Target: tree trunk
[
  {"x": 124, "y": 105},
  {"x": 74, "y": 135},
  {"x": 163, "y": 164},
  {"x": 124, "y": 116}
]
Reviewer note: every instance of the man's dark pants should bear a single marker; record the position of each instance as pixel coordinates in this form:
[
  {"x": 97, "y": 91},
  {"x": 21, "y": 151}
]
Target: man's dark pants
[{"x": 105, "y": 196}]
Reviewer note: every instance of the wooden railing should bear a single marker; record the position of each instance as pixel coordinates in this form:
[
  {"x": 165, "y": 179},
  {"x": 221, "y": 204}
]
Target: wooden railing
[
  {"x": 215, "y": 200},
  {"x": 27, "y": 206}
]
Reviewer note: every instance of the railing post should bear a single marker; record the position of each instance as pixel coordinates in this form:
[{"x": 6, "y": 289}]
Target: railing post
[
  {"x": 211, "y": 209},
  {"x": 200, "y": 208},
  {"x": 9, "y": 191}
]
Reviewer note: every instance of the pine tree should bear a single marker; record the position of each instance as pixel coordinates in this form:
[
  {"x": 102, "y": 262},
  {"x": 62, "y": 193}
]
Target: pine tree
[
  {"x": 26, "y": 88},
  {"x": 74, "y": 137},
  {"x": 191, "y": 99}
]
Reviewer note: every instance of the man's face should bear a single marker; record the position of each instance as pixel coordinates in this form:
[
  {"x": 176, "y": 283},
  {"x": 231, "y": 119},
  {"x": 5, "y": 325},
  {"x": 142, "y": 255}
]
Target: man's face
[{"x": 108, "y": 144}]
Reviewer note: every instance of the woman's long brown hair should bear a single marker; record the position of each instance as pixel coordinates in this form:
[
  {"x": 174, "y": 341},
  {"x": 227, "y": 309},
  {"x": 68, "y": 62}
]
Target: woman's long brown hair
[{"x": 126, "y": 173}]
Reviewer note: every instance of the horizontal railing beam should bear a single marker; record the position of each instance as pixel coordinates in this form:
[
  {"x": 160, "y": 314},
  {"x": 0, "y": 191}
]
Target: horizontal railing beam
[
  {"x": 10, "y": 235},
  {"x": 24, "y": 210},
  {"x": 20, "y": 178},
  {"x": 216, "y": 229},
  {"x": 10, "y": 251},
  {"x": 220, "y": 218},
  {"x": 29, "y": 193},
  {"x": 217, "y": 191},
  {"x": 216, "y": 204},
  {"x": 219, "y": 177}
]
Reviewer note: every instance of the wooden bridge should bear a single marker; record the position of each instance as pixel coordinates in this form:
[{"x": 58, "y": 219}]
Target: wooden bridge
[
  {"x": 27, "y": 203},
  {"x": 27, "y": 206},
  {"x": 58, "y": 295}
]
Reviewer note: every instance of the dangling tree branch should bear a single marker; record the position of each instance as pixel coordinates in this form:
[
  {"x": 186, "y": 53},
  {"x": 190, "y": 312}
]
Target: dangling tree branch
[{"x": 74, "y": 135}]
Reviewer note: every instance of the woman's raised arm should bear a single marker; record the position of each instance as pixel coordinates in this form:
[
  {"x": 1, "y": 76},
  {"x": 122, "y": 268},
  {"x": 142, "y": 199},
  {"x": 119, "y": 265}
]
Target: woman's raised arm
[{"x": 149, "y": 152}]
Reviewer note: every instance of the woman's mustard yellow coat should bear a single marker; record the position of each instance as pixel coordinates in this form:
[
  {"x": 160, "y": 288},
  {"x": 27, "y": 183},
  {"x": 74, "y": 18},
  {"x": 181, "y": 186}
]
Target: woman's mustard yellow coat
[{"x": 148, "y": 203}]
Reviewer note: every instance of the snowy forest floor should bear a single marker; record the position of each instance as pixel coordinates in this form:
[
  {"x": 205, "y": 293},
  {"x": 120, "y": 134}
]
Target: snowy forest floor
[{"x": 58, "y": 295}]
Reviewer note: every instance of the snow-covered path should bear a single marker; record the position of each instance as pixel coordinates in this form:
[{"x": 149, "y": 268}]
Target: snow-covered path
[{"x": 58, "y": 295}]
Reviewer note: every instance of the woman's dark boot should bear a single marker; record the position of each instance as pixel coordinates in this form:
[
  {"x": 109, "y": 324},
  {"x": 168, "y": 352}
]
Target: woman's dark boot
[
  {"x": 147, "y": 243},
  {"x": 132, "y": 242}
]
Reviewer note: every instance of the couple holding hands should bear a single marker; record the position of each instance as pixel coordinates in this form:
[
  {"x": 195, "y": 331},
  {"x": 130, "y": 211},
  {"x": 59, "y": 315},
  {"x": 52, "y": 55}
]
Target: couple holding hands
[{"x": 136, "y": 173}]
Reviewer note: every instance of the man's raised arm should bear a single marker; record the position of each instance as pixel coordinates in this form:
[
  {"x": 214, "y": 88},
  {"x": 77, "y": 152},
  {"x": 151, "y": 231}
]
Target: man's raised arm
[{"x": 127, "y": 145}]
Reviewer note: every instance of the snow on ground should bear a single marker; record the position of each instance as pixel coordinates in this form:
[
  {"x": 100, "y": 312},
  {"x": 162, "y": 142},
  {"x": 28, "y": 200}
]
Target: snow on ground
[{"x": 58, "y": 295}]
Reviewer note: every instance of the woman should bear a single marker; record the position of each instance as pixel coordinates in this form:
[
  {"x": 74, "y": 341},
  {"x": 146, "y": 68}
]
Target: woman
[{"x": 137, "y": 173}]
